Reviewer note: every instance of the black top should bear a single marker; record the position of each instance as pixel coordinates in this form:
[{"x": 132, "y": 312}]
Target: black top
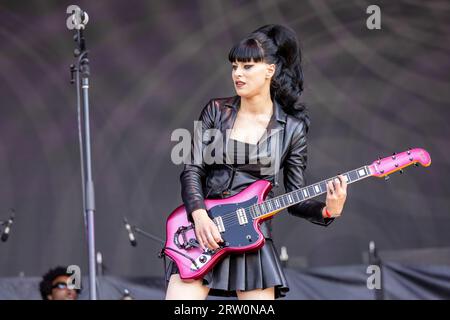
[
  {"x": 247, "y": 157},
  {"x": 240, "y": 152}
]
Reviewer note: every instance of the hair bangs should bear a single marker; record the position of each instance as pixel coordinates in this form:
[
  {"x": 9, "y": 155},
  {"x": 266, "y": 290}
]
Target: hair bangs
[{"x": 245, "y": 51}]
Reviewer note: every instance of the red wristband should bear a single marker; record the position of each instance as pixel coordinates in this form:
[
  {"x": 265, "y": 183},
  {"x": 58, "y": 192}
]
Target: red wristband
[{"x": 327, "y": 213}]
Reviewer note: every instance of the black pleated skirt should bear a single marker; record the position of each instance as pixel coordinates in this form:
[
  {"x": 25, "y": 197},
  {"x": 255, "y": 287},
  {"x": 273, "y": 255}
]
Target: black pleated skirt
[{"x": 247, "y": 271}]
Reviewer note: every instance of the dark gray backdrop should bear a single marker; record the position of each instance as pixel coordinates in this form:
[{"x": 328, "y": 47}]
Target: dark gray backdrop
[{"x": 154, "y": 66}]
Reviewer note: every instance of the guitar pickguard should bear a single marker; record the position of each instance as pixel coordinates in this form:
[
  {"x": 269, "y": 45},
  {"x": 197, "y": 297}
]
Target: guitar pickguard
[{"x": 236, "y": 234}]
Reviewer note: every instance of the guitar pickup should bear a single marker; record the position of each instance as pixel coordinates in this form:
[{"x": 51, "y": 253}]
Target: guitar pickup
[
  {"x": 219, "y": 223},
  {"x": 242, "y": 216}
]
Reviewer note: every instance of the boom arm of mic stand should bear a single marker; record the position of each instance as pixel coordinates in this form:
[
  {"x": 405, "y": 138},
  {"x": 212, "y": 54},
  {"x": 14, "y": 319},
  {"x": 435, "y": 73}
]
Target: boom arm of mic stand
[
  {"x": 156, "y": 239},
  {"x": 148, "y": 235}
]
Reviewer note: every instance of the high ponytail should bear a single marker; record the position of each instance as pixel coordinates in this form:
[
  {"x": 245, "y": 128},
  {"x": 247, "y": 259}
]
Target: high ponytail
[{"x": 277, "y": 44}]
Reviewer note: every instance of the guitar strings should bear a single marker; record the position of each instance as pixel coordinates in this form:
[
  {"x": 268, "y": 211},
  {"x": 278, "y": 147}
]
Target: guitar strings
[{"x": 231, "y": 219}]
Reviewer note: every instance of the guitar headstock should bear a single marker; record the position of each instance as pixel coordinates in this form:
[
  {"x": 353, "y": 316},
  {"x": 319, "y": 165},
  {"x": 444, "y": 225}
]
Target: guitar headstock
[{"x": 383, "y": 167}]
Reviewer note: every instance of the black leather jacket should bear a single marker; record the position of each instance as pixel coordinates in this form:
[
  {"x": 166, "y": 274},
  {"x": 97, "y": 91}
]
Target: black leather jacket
[{"x": 201, "y": 180}]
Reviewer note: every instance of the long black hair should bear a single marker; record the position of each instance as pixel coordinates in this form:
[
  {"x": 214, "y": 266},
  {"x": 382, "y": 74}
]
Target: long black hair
[{"x": 277, "y": 44}]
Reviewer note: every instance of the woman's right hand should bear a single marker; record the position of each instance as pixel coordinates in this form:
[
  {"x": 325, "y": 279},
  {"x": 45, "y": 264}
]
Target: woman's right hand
[{"x": 206, "y": 231}]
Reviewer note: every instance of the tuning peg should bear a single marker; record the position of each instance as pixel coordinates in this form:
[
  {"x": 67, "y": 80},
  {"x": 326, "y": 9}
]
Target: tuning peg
[
  {"x": 400, "y": 171},
  {"x": 408, "y": 152},
  {"x": 379, "y": 160},
  {"x": 386, "y": 178},
  {"x": 416, "y": 164},
  {"x": 393, "y": 155}
]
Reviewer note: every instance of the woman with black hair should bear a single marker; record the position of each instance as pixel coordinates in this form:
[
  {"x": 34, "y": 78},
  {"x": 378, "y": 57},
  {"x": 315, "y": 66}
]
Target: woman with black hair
[{"x": 266, "y": 112}]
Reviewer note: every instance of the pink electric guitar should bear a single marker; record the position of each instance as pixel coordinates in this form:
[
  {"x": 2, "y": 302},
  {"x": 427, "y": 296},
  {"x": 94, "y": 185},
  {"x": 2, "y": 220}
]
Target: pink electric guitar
[{"x": 238, "y": 217}]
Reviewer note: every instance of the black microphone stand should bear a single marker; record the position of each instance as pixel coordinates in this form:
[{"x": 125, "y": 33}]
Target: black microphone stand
[
  {"x": 148, "y": 235},
  {"x": 82, "y": 72},
  {"x": 144, "y": 233},
  {"x": 154, "y": 238}
]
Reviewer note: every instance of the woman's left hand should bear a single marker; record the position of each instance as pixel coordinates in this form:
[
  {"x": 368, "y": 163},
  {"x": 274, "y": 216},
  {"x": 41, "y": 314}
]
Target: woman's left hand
[{"x": 336, "y": 195}]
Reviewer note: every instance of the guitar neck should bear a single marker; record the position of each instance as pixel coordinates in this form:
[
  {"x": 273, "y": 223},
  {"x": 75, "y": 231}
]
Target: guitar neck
[{"x": 276, "y": 204}]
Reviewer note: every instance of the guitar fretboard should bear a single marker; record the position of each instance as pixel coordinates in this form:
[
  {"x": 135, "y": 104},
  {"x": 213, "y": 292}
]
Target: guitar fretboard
[{"x": 295, "y": 197}]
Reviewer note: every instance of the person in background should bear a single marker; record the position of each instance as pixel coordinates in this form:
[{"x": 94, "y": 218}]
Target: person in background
[{"x": 55, "y": 285}]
